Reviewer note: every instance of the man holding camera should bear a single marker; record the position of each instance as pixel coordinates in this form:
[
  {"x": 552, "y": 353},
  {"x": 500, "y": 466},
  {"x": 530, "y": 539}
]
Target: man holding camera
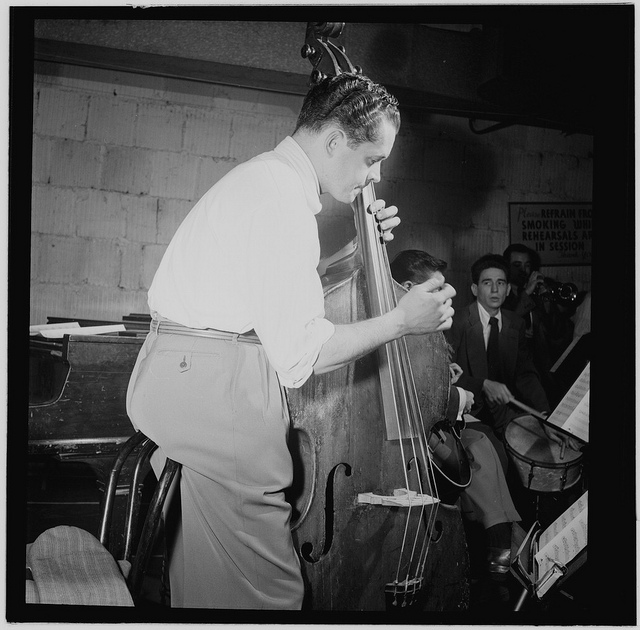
[{"x": 548, "y": 327}]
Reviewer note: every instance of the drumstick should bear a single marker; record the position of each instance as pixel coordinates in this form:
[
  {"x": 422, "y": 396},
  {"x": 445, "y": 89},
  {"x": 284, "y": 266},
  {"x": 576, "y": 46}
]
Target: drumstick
[
  {"x": 524, "y": 407},
  {"x": 533, "y": 412}
]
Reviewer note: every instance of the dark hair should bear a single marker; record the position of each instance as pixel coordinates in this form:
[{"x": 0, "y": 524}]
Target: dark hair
[
  {"x": 411, "y": 263},
  {"x": 488, "y": 261},
  {"x": 352, "y": 101},
  {"x": 523, "y": 249}
]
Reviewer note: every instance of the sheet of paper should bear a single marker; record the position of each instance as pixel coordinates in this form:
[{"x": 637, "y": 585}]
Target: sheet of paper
[
  {"x": 563, "y": 540},
  {"x": 39, "y": 328},
  {"x": 572, "y": 413},
  {"x": 563, "y": 520},
  {"x": 82, "y": 330}
]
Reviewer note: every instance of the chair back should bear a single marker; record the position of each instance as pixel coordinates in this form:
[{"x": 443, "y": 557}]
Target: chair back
[{"x": 141, "y": 448}]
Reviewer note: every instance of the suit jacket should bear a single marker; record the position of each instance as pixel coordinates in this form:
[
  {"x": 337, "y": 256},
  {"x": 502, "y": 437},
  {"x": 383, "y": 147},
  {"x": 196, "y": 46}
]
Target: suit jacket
[{"x": 518, "y": 371}]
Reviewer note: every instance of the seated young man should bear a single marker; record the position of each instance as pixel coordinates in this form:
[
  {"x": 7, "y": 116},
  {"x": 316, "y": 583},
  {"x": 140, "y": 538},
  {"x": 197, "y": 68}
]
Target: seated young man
[{"x": 489, "y": 345}]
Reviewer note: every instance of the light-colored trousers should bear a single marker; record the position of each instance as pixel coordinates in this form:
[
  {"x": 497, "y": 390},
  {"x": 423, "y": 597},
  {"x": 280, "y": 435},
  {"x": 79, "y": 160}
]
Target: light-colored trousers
[
  {"x": 217, "y": 408},
  {"x": 487, "y": 498}
]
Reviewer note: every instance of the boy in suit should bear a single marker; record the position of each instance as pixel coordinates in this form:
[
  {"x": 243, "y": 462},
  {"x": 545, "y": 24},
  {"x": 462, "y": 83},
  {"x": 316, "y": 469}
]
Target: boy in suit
[{"x": 489, "y": 345}]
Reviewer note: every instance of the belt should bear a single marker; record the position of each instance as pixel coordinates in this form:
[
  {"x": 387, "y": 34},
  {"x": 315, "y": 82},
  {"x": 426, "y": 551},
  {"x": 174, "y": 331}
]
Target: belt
[{"x": 178, "y": 329}]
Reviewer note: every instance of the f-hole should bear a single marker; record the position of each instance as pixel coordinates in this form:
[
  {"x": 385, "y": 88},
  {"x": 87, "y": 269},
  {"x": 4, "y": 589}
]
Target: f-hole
[{"x": 306, "y": 549}]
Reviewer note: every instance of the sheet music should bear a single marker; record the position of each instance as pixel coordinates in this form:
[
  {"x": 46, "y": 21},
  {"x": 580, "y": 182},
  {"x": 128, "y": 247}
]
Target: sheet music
[
  {"x": 563, "y": 520},
  {"x": 563, "y": 540},
  {"x": 572, "y": 414}
]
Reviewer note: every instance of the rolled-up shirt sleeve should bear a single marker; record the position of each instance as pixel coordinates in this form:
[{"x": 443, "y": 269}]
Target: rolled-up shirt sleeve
[{"x": 283, "y": 290}]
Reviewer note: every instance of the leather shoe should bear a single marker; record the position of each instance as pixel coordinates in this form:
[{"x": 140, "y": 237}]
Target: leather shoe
[{"x": 498, "y": 561}]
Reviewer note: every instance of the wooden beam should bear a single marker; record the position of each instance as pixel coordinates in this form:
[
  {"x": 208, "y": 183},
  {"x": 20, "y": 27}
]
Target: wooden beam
[
  {"x": 274, "y": 81},
  {"x": 168, "y": 66}
]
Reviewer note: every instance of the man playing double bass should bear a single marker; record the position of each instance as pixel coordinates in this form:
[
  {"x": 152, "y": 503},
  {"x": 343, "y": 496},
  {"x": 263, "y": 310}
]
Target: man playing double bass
[{"x": 238, "y": 314}]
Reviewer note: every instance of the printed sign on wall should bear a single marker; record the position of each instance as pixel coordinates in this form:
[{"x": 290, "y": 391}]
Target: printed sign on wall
[{"x": 559, "y": 232}]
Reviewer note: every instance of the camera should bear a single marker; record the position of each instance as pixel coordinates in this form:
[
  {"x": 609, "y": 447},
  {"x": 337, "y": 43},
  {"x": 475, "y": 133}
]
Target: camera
[{"x": 559, "y": 292}]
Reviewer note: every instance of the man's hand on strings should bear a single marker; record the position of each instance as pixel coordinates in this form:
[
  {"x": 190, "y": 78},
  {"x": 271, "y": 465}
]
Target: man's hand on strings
[
  {"x": 386, "y": 217},
  {"x": 426, "y": 307}
]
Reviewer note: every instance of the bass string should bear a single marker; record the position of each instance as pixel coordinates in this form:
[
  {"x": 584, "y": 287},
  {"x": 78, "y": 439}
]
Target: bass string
[
  {"x": 417, "y": 433},
  {"x": 385, "y": 298},
  {"x": 416, "y": 429},
  {"x": 420, "y": 430},
  {"x": 384, "y": 302}
]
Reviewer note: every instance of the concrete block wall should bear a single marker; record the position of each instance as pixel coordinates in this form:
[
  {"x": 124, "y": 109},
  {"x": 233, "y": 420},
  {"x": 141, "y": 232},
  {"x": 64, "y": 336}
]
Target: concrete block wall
[
  {"x": 454, "y": 186},
  {"x": 119, "y": 160}
]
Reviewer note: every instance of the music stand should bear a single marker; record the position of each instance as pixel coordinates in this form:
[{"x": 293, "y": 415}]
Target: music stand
[{"x": 539, "y": 579}]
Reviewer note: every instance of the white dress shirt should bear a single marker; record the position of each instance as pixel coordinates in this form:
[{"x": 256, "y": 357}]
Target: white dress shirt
[
  {"x": 245, "y": 258},
  {"x": 484, "y": 319}
]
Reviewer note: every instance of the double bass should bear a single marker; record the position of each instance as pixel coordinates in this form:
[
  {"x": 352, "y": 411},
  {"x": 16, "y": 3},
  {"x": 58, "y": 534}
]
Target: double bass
[{"x": 371, "y": 532}]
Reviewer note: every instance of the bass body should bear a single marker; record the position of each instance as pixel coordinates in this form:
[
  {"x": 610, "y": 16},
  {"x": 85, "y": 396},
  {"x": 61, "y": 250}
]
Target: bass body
[
  {"x": 350, "y": 551},
  {"x": 367, "y": 523}
]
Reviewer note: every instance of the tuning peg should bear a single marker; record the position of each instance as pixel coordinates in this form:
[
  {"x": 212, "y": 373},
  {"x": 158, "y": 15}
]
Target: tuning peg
[
  {"x": 307, "y": 51},
  {"x": 317, "y": 76}
]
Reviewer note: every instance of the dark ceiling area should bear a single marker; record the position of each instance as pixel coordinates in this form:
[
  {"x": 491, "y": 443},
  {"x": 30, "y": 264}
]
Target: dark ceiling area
[
  {"x": 547, "y": 72},
  {"x": 567, "y": 67}
]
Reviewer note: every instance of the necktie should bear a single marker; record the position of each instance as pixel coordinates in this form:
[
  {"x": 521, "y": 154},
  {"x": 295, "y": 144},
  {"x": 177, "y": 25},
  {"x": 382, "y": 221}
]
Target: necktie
[{"x": 493, "y": 352}]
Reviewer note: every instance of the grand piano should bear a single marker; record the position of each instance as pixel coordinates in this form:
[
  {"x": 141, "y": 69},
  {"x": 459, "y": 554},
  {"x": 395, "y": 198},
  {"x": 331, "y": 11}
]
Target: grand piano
[{"x": 77, "y": 398}]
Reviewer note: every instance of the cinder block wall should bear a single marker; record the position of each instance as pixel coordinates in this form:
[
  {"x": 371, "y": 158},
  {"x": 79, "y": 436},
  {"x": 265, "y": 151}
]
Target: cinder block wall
[
  {"x": 453, "y": 188},
  {"x": 119, "y": 160}
]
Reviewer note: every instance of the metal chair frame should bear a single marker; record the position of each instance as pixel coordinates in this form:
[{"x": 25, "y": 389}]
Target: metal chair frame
[{"x": 151, "y": 524}]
